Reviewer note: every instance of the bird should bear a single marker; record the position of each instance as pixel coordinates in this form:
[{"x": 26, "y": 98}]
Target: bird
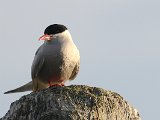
[{"x": 56, "y": 61}]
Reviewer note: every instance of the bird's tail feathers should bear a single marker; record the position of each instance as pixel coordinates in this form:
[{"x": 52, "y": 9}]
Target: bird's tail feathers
[{"x": 26, "y": 87}]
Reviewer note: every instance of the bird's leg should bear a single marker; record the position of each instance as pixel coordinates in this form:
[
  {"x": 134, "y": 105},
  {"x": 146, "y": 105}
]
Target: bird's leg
[{"x": 61, "y": 84}]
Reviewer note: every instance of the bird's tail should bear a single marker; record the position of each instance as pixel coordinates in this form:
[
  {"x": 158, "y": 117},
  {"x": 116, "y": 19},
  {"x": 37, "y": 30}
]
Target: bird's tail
[{"x": 26, "y": 87}]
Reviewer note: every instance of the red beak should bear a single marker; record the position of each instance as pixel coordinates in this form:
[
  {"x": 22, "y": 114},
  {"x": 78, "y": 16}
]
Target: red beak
[{"x": 45, "y": 37}]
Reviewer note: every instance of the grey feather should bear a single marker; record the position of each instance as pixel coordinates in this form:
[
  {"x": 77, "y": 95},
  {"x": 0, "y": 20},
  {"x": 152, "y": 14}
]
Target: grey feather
[
  {"x": 75, "y": 71},
  {"x": 26, "y": 87},
  {"x": 37, "y": 64}
]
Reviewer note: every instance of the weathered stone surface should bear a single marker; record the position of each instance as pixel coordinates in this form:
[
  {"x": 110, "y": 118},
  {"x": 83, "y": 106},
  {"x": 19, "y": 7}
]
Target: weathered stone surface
[{"x": 71, "y": 103}]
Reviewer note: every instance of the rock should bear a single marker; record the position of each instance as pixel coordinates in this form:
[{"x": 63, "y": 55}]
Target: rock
[{"x": 75, "y": 102}]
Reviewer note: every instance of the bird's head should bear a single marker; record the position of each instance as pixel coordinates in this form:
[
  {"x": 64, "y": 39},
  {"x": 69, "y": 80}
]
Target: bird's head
[{"x": 52, "y": 30}]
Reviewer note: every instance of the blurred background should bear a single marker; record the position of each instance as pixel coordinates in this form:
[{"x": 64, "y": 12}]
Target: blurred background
[{"x": 119, "y": 42}]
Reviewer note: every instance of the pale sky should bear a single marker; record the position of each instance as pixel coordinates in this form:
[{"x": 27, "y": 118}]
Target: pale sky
[{"x": 119, "y": 43}]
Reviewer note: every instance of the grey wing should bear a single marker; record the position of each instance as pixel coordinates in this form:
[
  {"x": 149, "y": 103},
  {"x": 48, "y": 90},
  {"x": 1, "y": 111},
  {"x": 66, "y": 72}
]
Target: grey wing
[
  {"x": 37, "y": 64},
  {"x": 75, "y": 71}
]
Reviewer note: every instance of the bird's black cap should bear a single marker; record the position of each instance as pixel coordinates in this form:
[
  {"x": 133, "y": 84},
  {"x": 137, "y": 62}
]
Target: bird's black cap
[{"x": 54, "y": 29}]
